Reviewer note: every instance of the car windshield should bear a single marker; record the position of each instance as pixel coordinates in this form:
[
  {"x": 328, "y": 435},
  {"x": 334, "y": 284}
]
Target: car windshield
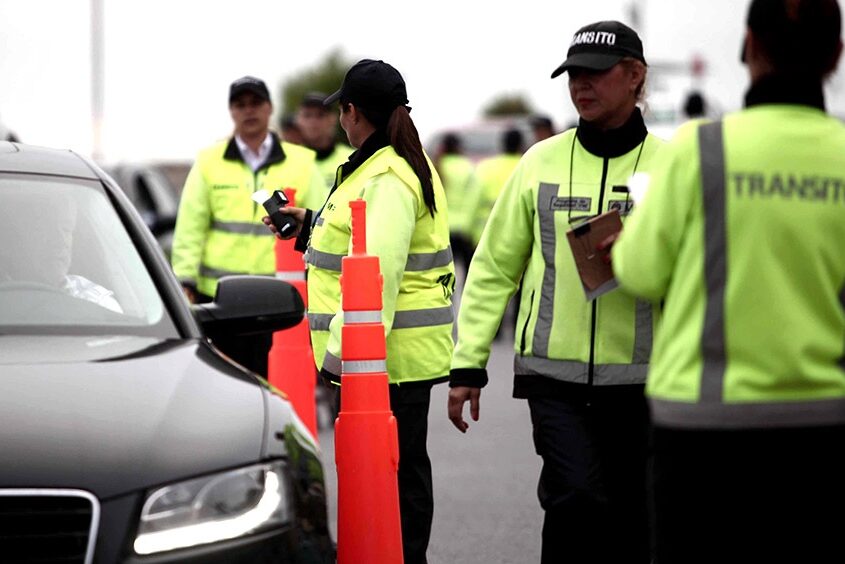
[{"x": 68, "y": 265}]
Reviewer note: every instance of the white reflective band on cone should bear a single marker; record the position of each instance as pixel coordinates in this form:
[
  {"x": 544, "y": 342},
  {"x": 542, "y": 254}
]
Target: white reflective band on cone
[
  {"x": 364, "y": 366},
  {"x": 369, "y": 316}
]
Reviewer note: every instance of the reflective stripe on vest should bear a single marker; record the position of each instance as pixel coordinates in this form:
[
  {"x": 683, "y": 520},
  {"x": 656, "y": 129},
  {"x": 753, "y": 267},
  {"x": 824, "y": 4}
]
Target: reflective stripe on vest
[
  {"x": 548, "y": 241},
  {"x": 748, "y": 414},
  {"x": 417, "y": 262},
  {"x": 241, "y": 228},
  {"x": 715, "y": 270},
  {"x": 578, "y": 372},
  {"x": 321, "y": 259},
  {"x": 643, "y": 332},
  {"x": 842, "y": 301},
  {"x": 422, "y": 317},
  {"x": 426, "y": 261},
  {"x": 332, "y": 364},
  {"x": 290, "y": 275},
  {"x": 211, "y": 272},
  {"x": 320, "y": 321}
]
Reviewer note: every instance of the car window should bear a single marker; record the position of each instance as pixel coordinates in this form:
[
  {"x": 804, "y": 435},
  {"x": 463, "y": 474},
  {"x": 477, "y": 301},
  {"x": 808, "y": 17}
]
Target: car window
[{"x": 68, "y": 265}]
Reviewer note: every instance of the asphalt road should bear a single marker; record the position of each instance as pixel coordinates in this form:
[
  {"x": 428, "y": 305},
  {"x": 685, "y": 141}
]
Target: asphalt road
[{"x": 485, "y": 482}]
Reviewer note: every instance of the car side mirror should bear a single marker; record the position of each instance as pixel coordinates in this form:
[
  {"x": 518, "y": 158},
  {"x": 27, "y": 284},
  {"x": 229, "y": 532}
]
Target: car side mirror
[{"x": 250, "y": 305}]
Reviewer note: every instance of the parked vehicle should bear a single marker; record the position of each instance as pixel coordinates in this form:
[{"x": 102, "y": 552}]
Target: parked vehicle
[
  {"x": 153, "y": 195},
  {"x": 484, "y": 138},
  {"x": 126, "y": 436}
]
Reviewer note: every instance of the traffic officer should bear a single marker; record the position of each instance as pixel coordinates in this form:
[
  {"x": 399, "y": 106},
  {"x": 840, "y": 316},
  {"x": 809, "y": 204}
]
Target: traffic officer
[
  {"x": 318, "y": 125},
  {"x": 542, "y": 127},
  {"x": 491, "y": 174},
  {"x": 462, "y": 195},
  {"x": 218, "y": 227},
  {"x": 408, "y": 230},
  {"x": 742, "y": 233},
  {"x": 581, "y": 365}
]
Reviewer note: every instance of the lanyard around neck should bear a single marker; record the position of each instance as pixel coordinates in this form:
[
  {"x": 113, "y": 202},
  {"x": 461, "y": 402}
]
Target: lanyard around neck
[{"x": 570, "y": 219}]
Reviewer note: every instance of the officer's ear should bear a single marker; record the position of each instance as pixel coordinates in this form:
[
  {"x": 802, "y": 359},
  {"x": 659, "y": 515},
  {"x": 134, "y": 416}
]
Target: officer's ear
[
  {"x": 354, "y": 112},
  {"x": 755, "y": 56}
]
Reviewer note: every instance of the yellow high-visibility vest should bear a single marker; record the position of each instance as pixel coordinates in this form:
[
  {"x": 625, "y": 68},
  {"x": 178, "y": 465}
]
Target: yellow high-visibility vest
[{"x": 415, "y": 261}]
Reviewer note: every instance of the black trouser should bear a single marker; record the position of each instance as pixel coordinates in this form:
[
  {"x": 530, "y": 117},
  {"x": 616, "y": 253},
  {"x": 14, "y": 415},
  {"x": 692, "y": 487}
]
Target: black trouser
[
  {"x": 462, "y": 250},
  {"x": 749, "y": 496},
  {"x": 593, "y": 482},
  {"x": 409, "y": 404}
]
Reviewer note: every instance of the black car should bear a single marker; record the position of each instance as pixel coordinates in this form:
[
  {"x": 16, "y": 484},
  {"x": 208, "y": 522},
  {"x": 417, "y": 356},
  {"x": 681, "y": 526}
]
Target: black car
[{"x": 126, "y": 437}]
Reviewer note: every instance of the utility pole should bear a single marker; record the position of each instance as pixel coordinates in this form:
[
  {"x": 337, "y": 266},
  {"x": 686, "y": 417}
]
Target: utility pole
[
  {"x": 97, "y": 78},
  {"x": 636, "y": 15}
]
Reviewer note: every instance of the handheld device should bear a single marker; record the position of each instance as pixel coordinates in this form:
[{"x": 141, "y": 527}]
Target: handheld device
[{"x": 285, "y": 224}]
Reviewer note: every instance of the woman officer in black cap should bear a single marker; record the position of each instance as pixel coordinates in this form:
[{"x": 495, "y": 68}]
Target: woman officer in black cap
[
  {"x": 580, "y": 364},
  {"x": 408, "y": 230}
]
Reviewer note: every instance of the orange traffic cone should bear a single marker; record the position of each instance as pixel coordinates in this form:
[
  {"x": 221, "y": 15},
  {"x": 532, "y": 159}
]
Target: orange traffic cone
[
  {"x": 366, "y": 439},
  {"x": 290, "y": 366}
]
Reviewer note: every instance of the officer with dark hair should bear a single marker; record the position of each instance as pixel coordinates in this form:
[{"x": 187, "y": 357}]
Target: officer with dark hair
[
  {"x": 289, "y": 130},
  {"x": 742, "y": 235},
  {"x": 543, "y": 127},
  {"x": 458, "y": 176},
  {"x": 218, "y": 228},
  {"x": 694, "y": 105},
  {"x": 317, "y": 124},
  {"x": 492, "y": 173},
  {"x": 409, "y": 233}
]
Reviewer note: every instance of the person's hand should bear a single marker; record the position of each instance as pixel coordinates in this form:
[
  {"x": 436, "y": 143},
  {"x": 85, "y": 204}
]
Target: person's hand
[
  {"x": 457, "y": 397},
  {"x": 606, "y": 244},
  {"x": 297, "y": 214}
]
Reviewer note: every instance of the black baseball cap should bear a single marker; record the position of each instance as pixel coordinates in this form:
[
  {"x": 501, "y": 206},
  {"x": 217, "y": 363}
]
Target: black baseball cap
[
  {"x": 601, "y": 45},
  {"x": 373, "y": 85},
  {"x": 313, "y": 100},
  {"x": 249, "y": 84}
]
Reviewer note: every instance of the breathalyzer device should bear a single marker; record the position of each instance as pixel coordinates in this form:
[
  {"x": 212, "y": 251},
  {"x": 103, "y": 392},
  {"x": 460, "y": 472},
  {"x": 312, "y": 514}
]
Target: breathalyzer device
[{"x": 285, "y": 224}]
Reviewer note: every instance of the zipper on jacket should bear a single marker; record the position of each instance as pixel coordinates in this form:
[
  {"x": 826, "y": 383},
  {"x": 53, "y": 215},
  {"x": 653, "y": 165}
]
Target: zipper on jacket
[
  {"x": 254, "y": 190},
  {"x": 591, "y": 365},
  {"x": 525, "y": 327}
]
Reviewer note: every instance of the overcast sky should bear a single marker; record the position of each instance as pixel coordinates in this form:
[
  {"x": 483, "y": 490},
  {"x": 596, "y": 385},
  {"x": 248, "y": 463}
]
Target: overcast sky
[{"x": 168, "y": 63}]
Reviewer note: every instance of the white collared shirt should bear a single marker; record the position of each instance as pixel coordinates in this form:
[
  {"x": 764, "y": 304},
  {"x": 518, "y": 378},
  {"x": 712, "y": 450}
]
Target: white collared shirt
[{"x": 253, "y": 159}]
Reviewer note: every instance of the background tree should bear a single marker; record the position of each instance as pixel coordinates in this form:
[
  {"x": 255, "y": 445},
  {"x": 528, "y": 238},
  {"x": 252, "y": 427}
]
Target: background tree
[
  {"x": 325, "y": 76},
  {"x": 508, "y": 105}
]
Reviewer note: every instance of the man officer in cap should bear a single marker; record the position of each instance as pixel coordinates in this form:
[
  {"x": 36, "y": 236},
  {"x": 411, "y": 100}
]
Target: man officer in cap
[{"x": 218, "y": 228}]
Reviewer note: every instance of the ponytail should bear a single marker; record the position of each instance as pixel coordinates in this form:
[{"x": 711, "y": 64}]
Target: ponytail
[{"x": 405, "y": 140}]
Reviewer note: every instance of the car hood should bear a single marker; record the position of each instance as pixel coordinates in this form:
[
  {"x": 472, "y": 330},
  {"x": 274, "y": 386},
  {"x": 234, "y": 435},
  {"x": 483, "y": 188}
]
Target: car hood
[{"x": 116, "y": 414}]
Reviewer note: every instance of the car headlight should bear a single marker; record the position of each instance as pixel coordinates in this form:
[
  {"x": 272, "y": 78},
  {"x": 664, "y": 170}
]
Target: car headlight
[{"x": 214, "y": 508}]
